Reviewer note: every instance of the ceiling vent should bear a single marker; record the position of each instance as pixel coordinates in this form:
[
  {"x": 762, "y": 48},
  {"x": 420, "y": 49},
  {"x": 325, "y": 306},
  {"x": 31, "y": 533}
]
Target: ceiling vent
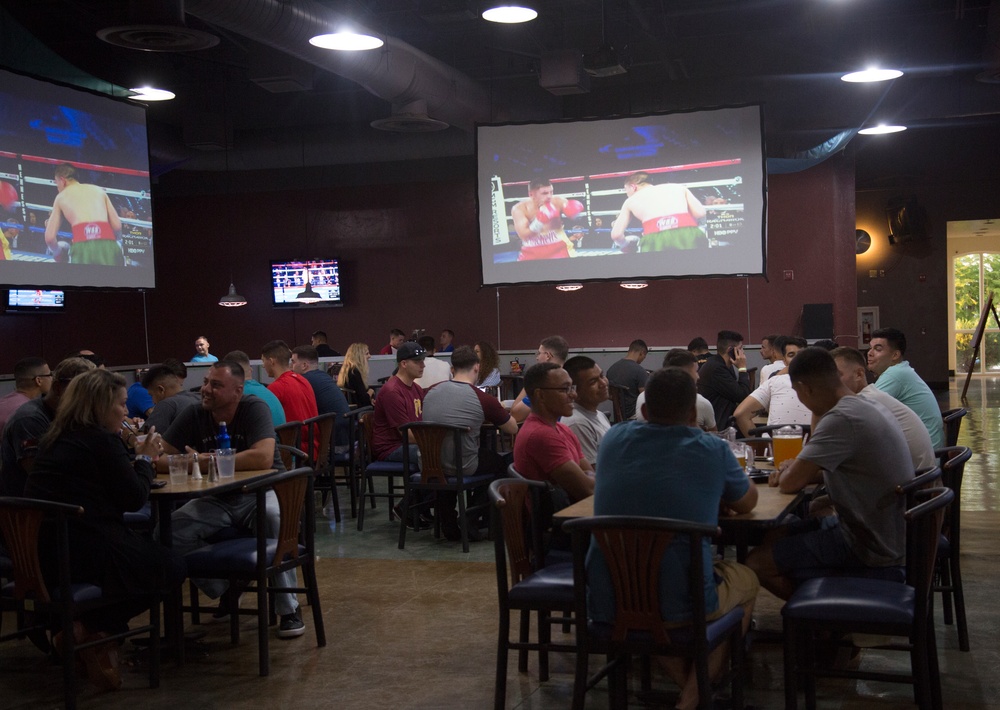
[
  {"x": 157, "y": 26},
  {"x": 409, "y": 118},
  {"x": 604, "y": 61}
]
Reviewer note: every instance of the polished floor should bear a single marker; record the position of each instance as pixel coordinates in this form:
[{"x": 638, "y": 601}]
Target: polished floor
[{"x": 415, "y": 629}]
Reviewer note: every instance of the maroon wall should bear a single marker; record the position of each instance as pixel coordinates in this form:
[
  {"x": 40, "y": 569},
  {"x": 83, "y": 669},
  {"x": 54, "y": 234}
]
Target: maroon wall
[{"x": 411, "y": 260}]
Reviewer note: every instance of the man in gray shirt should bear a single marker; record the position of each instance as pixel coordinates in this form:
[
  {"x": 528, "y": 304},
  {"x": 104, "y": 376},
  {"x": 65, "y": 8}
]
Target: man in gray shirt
[
  {"x": 165, "y": 384},
  {"x": 587, "y": 422},
  {"x": 859, "y": 452},
  {"x": 630, "y": 374}
]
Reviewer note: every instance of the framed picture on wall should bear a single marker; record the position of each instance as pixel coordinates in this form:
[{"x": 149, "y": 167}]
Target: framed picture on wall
[{"x": 867, "y": 324}]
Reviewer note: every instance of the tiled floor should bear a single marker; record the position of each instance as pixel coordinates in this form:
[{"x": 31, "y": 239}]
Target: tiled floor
[{"x": 416, "y": 629}]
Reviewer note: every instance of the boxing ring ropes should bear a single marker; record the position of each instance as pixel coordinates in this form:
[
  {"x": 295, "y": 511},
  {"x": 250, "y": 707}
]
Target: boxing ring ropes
[
  {"x": 501, "y": 212},
  {"x": 21, "y": 180}
]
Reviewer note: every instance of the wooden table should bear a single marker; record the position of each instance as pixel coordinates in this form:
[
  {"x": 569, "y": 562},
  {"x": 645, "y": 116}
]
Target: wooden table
[
  {"x": 772, "y": 507},
  {"x": 164, "y": 499}
]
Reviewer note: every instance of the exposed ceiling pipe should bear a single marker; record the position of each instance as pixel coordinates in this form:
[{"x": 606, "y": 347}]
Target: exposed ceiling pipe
[{"x": 397, "y": 72}]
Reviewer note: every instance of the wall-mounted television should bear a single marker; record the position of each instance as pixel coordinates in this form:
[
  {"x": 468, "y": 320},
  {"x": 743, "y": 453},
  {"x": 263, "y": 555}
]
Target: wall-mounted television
[
  {"x": 303, "y": 283},
  {"x": 667, "y": 195},
  {"x": 83, "y": 157},
  {"x": 34, "y": 300}
]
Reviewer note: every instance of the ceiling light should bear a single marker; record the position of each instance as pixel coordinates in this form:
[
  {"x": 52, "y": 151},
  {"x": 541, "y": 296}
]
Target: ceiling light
[
  {"x": 634, "y": 285},
  {"x": 575, "y": 286},
  {"x": 869, "y": 75},
  {"x": 510, "y": 14},
  {"x": 232, "y": 299},
  {"x": 881, "y": 129},
  {"x": 149, "y": 93},
  {"x": 347, "y": 41}
]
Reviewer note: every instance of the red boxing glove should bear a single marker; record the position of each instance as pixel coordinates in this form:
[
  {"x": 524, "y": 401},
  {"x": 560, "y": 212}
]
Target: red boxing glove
[
  {"x": 572, "y": 208},
  {"x": 8, "y": 195},
  {"x": 547, "y": 212}
]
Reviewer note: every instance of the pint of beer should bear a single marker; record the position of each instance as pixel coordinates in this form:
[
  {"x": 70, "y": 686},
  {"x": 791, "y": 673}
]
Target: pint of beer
[{"x": 787, "y": 443}]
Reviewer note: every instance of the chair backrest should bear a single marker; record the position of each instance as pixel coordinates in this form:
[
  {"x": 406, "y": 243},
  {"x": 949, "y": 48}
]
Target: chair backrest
[
  {"x": 430, "y": 438},
  {"x": 292, "y": 489},
  {"x": 923, "y": 526},
  {"x": 289, "y": 434},
  {"x": 953, "y": 460},
  {"x": 367, "y": 422},
  {"x": 633, "y": 548},
  {"x": 617, "y": 393},
  {"x": 324, "y": 423},
  {"x": 952, "y": 419},
  {"x": 355, "y": 433},
  {"x": 513, "y": 535},
  {"x": 923, "y": 479},
  {"x": 20, "y": 522}
]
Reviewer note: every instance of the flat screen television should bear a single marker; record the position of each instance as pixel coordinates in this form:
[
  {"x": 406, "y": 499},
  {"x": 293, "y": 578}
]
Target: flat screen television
[
  {"x": 34, "y": 300},
  {"x": 306, "y": 282},
  {"x": 667, "y": 195},
  {"x": 84, "y": 157}
]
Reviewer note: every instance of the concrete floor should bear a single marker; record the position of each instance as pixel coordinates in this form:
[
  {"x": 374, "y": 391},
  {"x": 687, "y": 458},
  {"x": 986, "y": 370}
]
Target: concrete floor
[{"x": 416, "y": 629}]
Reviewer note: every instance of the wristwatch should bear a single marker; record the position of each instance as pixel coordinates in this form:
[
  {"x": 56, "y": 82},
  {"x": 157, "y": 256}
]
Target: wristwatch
[{"x": 143, "y": 457}]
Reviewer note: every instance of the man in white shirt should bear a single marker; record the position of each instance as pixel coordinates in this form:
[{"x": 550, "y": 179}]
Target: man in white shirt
[
  {"x": 435, "y": 370},
  {"x": 687, "y": 361},
  {"x": 587, "y": 422},
  {"x": 770, "y": 350},
  {"x": 775, "y": 395}
]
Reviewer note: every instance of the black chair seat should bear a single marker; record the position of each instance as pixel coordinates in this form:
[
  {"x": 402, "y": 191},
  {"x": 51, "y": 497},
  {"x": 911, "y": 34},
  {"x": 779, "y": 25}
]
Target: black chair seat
[
  {"x": 452, "y": 480},
  {"x": 79, "y": 592},
  {"x": 682, "y": 637},
  {"x": 238, "y": 556},
  {"x": 549, "y": 584},
  {"x": 385, "y": 467},
  {"x": 944, "y": 547},
  {"x": 852, "y": 599},
  {"x": 886, "y": 574}
]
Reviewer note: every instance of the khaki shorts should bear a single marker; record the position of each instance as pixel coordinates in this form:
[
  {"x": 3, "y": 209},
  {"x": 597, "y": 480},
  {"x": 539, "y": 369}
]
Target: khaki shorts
[{"x": 738, "y": 585}]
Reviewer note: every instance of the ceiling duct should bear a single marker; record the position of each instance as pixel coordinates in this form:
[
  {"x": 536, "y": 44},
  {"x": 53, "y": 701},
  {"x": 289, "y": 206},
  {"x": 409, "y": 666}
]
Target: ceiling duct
[
  {"x": 157, "y": 26},
  {"x": 991, "y": 53},
  {"x": 397, "y": 72},
  {"x": 410, "y": 118}
]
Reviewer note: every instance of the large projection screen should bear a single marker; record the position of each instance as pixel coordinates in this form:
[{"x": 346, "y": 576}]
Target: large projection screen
[
  {"x": 104, "y": 235},
  {"x": 694, "y": 205}
]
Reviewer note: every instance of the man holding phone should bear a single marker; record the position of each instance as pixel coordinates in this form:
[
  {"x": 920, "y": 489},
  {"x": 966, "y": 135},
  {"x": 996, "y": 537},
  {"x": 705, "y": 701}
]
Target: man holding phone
[{"x": 723, "y": 379}]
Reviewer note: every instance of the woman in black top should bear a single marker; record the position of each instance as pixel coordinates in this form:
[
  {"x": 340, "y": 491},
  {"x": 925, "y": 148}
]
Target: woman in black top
[
  {"x": 353, "y": 375},
  {"x": 83, "y": 461}
]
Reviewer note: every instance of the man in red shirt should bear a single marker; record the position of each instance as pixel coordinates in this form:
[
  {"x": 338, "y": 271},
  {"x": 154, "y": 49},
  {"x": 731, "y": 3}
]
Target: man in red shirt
[
  {"x": 292, "y": 389},
  {"x": 399, "y": 402},
  {"x": 396, "y": 338}
]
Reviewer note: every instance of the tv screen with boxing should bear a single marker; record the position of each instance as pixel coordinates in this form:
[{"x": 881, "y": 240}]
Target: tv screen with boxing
[
  {"x": 669, "y": 195},
  {"x": 75, "y": 207},
  {"x": 31, "y": 300},
  {"x": 306, "y": 282}
]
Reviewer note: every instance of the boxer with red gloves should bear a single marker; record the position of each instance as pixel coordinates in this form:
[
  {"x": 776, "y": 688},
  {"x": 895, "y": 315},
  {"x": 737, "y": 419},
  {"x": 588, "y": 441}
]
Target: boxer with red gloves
[{"x": 538, "y": 223}]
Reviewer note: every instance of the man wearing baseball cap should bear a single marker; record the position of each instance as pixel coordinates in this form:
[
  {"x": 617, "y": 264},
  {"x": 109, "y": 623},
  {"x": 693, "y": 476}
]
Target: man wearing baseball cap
[{"x": 399, "y": 402}]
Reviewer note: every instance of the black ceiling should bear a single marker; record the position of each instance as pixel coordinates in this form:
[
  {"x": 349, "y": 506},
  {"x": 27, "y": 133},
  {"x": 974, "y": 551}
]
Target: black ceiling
[{"x": 679, "y": 54}]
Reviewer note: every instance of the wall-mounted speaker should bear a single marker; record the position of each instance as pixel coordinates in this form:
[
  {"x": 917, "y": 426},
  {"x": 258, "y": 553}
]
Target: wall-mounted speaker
[{"x": 817, "y": 321}]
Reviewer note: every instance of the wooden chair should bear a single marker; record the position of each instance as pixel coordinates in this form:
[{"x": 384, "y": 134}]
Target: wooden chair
[
  {"x": 321, "y": 428},
  {"x": 289, "y": 434},
  {"x": 633, "y": 547},
  {"x": 523, "y": 583},
  {"x": 40, "y": 609},
  {"x": 390, "y": 470},
  {"x": 248, "y": 563},
  {"x": 952, "y": 419},
  {"x": 842, "y": 605},
  {"x": 949, "y": 571},
  {"x": 349, "y": 461},
  {"x": 617, "y": 393}
]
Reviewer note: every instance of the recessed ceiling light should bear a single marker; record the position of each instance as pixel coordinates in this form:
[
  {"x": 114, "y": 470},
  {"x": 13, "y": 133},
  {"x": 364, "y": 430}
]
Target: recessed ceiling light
[
  {"x": 510, "y": 14},
  {"x": 148, "y": 93},
  {"x": 346, "y": 41},
  {"x": 576, "y": 286},
  {"x": 881, "y": 129},
  {"x": 869, "y": 75},
  {"x": 633, "y": 285}
]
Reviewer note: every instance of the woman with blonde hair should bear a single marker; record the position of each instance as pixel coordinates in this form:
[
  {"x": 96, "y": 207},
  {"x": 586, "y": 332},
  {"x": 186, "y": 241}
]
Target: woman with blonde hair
[
  {"x": 353, "y": 375},
  {"x": 82, "y": 460}
]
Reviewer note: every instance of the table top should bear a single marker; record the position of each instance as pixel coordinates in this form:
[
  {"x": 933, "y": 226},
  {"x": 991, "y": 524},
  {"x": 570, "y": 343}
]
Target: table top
[
  {"x": 198, "y": 489},
  {"x": 772, "y": 507}
]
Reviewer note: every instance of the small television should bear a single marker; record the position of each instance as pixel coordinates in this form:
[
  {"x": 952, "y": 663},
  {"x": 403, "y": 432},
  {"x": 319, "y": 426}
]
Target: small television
[
  {"x": 37, "y": 300},
  {"x": 306, "y": 283}
]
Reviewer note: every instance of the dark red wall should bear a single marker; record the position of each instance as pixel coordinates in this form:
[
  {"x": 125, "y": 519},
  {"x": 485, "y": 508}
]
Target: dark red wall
[{"x": 411, "y": 260}]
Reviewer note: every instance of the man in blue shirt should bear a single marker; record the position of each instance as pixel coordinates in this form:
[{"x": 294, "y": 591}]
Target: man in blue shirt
[
  {"x": 667, "y": 467},
  {"x": 329, "y": 397},
  {"x": 201, "y": 348},
  {"x": 252, "y": 386}
]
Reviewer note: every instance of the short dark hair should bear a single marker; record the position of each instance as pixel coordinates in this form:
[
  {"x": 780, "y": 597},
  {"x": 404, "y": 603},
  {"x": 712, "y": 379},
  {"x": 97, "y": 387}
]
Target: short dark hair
[
  {"x": 27, "y": 369},
  {"x": 727, "y": 339},
  {"x": 770, "y": 339},
  {"x": 779, "y": 343},
  {"x": 155, "y": 374},
  {"x": 638, "y": 346},
  {"x": 793, "y": 340},
  {"x": 670, "y": 395},
  {"x": 242, "y": 358},
  {"x": 396, "y": 332},
  {"x": 176, "y": 366},
  {"x": 235, "y": 368},
  {"x": 851, "y": 355},
  {"x": 698, "y": 343},
  {"x": 449, "y": 331},
  {"x": 539, "y": 182},
  {"x": 427, "y": 342},
  {"x": 277, "y": 349},
  {"x": 464, "y": 358},
  {"x": 577, "y": 364},
  {"x": 307, "y": 353},
  {"x": 319, "y": 334},
  {"x": 537, "y": 375},
  {"x": 557, "y": 345},
  {"x": 679, "y": 357},
  {"x": 826, "y": 344},
  {"x": 895, "y": 338},
  {"x": 814, "y": 366}
]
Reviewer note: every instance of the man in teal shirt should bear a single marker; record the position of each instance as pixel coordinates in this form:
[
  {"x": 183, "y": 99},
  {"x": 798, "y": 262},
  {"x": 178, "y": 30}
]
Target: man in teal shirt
[
  {"x": 252, "y": 386},
  {"x": 897, "y": 378}
]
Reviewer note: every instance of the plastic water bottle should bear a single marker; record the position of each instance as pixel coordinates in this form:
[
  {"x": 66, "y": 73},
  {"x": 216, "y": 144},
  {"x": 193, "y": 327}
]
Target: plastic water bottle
[{"x": 222, "y": 438}]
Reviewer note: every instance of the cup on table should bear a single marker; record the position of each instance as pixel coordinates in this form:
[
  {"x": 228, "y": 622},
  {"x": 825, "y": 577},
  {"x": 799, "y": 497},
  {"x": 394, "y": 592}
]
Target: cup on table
[
  {"x": 178, "y": 464},
  {"x": 787, "y": 443},
  {"x": 225, "y": 459},
  {"x": 742, "y": 452}
]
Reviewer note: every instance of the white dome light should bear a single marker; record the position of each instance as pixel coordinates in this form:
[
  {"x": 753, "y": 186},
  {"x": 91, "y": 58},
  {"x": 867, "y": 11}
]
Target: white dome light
[
  {"x": 148, "y": 93},
  {"x": 869, "y": 75},
  {"x": 510, "y": 14},
  {"x": 881, "y": 129},
  {"x": 346, "y": 41}
]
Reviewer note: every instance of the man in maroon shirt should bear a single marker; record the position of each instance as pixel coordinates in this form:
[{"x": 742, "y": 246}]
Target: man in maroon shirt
[
  {"x": 396, "y": 338},
  {"x": 399, "y": 402},
  {"x": 292, "y": 389}
]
